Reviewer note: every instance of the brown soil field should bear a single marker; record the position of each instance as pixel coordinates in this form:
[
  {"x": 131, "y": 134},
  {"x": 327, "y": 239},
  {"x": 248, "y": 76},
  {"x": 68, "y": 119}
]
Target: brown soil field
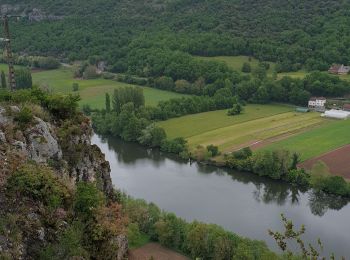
[
  {"x": 156, "y": 251},
  {"x": 338, "y": 161}
]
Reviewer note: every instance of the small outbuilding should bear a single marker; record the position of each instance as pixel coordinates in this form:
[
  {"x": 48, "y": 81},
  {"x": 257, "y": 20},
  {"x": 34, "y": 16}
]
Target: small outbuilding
[
  {"x": 302, "y": 109},
  {"x": 337, "y": 114}
]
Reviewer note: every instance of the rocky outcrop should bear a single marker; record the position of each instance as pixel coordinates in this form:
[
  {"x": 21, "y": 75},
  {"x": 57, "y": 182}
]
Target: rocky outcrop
[
  {"x": 94, "y": 168},
  {"x": 51, "y": 144},
  {"x": 39, "y": 142}
]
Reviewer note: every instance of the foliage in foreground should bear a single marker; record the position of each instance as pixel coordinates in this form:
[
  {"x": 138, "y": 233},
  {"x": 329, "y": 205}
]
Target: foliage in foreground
[
  {"x": 291, "y": 235},
  {"x": 77, "y": 223},
  {"x": 196, "y": 239}
]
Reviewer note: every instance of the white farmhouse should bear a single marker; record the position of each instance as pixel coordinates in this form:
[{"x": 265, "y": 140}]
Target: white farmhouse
[{"x": 317, "y": 103}]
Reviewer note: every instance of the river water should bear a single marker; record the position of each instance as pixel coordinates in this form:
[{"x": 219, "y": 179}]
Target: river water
[{"x": 240, "y": 202}]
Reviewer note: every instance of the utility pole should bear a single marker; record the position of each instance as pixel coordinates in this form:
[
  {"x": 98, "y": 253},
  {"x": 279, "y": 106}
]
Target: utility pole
[{"x": 9, "y": 55}]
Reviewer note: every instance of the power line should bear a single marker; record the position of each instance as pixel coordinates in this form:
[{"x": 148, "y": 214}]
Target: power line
[{"x": 9, "y": 55}]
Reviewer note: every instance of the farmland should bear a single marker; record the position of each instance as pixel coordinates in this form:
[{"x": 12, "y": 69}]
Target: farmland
[
  {"x": 257, "y": 123},
  {"x": 316, "y": 141},
  {"x": 93, "y": 91}
]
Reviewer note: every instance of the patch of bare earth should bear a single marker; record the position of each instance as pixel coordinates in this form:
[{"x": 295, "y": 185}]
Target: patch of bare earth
[
  {"x": 338, "y": 161},
  {"x": 156, "y": 251}
]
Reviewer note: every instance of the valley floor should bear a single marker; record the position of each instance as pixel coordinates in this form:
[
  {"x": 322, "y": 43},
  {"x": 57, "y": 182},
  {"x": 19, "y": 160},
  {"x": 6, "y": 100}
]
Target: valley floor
[
  {"x": 92, "y": 92},
  {"x": 268, "y": 127}
]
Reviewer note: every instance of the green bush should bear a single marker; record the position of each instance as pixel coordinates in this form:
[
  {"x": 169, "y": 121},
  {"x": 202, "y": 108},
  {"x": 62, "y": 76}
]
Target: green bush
[
  {"x": 242, "y": 153},
  {"x": 87, "y": 198},
  {"x": 214, "y": 150},
  {"x": 75, "y": 87},
  {"x": 68, "y": 246},
  {"x": 298, "y": 177},
  {"x": 152, "y": 136},
  {"x": 176, "y": 145},
  {"x": 62, "y": 107},
  {"x": 235, "y": 110},
  {"x": 336, "y": 185},
  {"x": 24, "y": 117},
  {"x": 39, "y": 183}
]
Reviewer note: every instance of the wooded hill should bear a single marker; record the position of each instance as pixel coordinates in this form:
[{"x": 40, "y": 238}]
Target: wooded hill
[{"x": 306, "y": 33}]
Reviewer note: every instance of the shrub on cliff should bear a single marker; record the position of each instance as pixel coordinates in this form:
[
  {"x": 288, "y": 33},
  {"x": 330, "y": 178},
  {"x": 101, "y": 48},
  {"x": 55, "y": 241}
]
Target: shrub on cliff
[
  {"x": 39, "y": 183},
  {"x": 24, "y": 117},
  {"x": 62, "y": 107},
  {"x": 87, "y": 198}
]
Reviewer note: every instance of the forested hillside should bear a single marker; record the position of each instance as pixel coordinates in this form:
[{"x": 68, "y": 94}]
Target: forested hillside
[{"x": 307, "y": 33}]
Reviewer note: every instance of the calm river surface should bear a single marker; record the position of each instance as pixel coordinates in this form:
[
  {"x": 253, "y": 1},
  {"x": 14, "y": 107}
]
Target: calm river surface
[{"x": 241, "y": 202}]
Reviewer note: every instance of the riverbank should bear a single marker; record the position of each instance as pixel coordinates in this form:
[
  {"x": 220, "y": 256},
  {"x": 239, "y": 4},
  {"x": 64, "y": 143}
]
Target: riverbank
[{"x": 225, "y": 197}]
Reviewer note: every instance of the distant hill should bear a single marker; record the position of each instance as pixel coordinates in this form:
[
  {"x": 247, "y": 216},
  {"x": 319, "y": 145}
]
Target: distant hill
[{"x": 306, "y": 33}]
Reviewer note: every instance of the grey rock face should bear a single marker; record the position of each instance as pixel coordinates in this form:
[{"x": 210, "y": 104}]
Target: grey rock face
[
  {"x": 2, "y": 137},
  {"x": 20, "y": 146},
  {"x": 123, "y": 245},
  {"x": 3, "y": 119},
  {"x": 15, "y": 109},
  {"x": 94, "y": 168},
  {"x": 41, "y": 144}
]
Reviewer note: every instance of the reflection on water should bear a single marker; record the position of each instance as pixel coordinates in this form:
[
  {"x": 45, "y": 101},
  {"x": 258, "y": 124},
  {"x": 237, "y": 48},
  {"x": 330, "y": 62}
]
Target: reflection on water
[{"x": 241, "y": 202}]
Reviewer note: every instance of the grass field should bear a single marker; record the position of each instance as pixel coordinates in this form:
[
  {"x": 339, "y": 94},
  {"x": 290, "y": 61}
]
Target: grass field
[
  {"x": 316, "y": 141},
  {"x": 257, "y": 123},
  {"x": 93, "y": 91},
  {"x": 190, "y": 125}
]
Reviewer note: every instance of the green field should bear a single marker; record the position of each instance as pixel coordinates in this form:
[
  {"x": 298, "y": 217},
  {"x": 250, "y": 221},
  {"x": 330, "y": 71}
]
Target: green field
[
  {"x": 316, "y": 141},
  {"x": 93, "y": 91},
  {"x": 257, "y": 123},
  {"x": 190, "y": 125}
]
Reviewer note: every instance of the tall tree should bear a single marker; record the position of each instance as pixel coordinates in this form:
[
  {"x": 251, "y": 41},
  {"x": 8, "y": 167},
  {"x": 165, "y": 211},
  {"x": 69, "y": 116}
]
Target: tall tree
[
  {"x": 23, "y": 78},
  {"x": 108, "y": 103},
  {"x": 3, "y": 80}
]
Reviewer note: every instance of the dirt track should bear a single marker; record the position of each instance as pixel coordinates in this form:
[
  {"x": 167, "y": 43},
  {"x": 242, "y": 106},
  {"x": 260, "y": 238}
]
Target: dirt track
[
  {"x": 337, "y": 160},
  {"x": 157, "y": 251}
]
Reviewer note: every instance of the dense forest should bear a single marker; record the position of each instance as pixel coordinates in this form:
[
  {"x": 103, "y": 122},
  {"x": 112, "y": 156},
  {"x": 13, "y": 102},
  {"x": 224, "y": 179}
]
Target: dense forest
[{"x": 140, "y": 36}]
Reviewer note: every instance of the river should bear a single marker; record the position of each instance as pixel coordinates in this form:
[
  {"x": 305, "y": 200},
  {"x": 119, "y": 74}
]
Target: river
[{"x": 240, "y": 202}]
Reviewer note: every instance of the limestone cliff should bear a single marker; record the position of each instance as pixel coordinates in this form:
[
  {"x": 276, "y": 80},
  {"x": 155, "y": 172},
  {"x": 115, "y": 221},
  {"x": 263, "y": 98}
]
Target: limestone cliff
[
  {"x": 63, "y": 147},
  {"x": 41, "y": 143}
]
